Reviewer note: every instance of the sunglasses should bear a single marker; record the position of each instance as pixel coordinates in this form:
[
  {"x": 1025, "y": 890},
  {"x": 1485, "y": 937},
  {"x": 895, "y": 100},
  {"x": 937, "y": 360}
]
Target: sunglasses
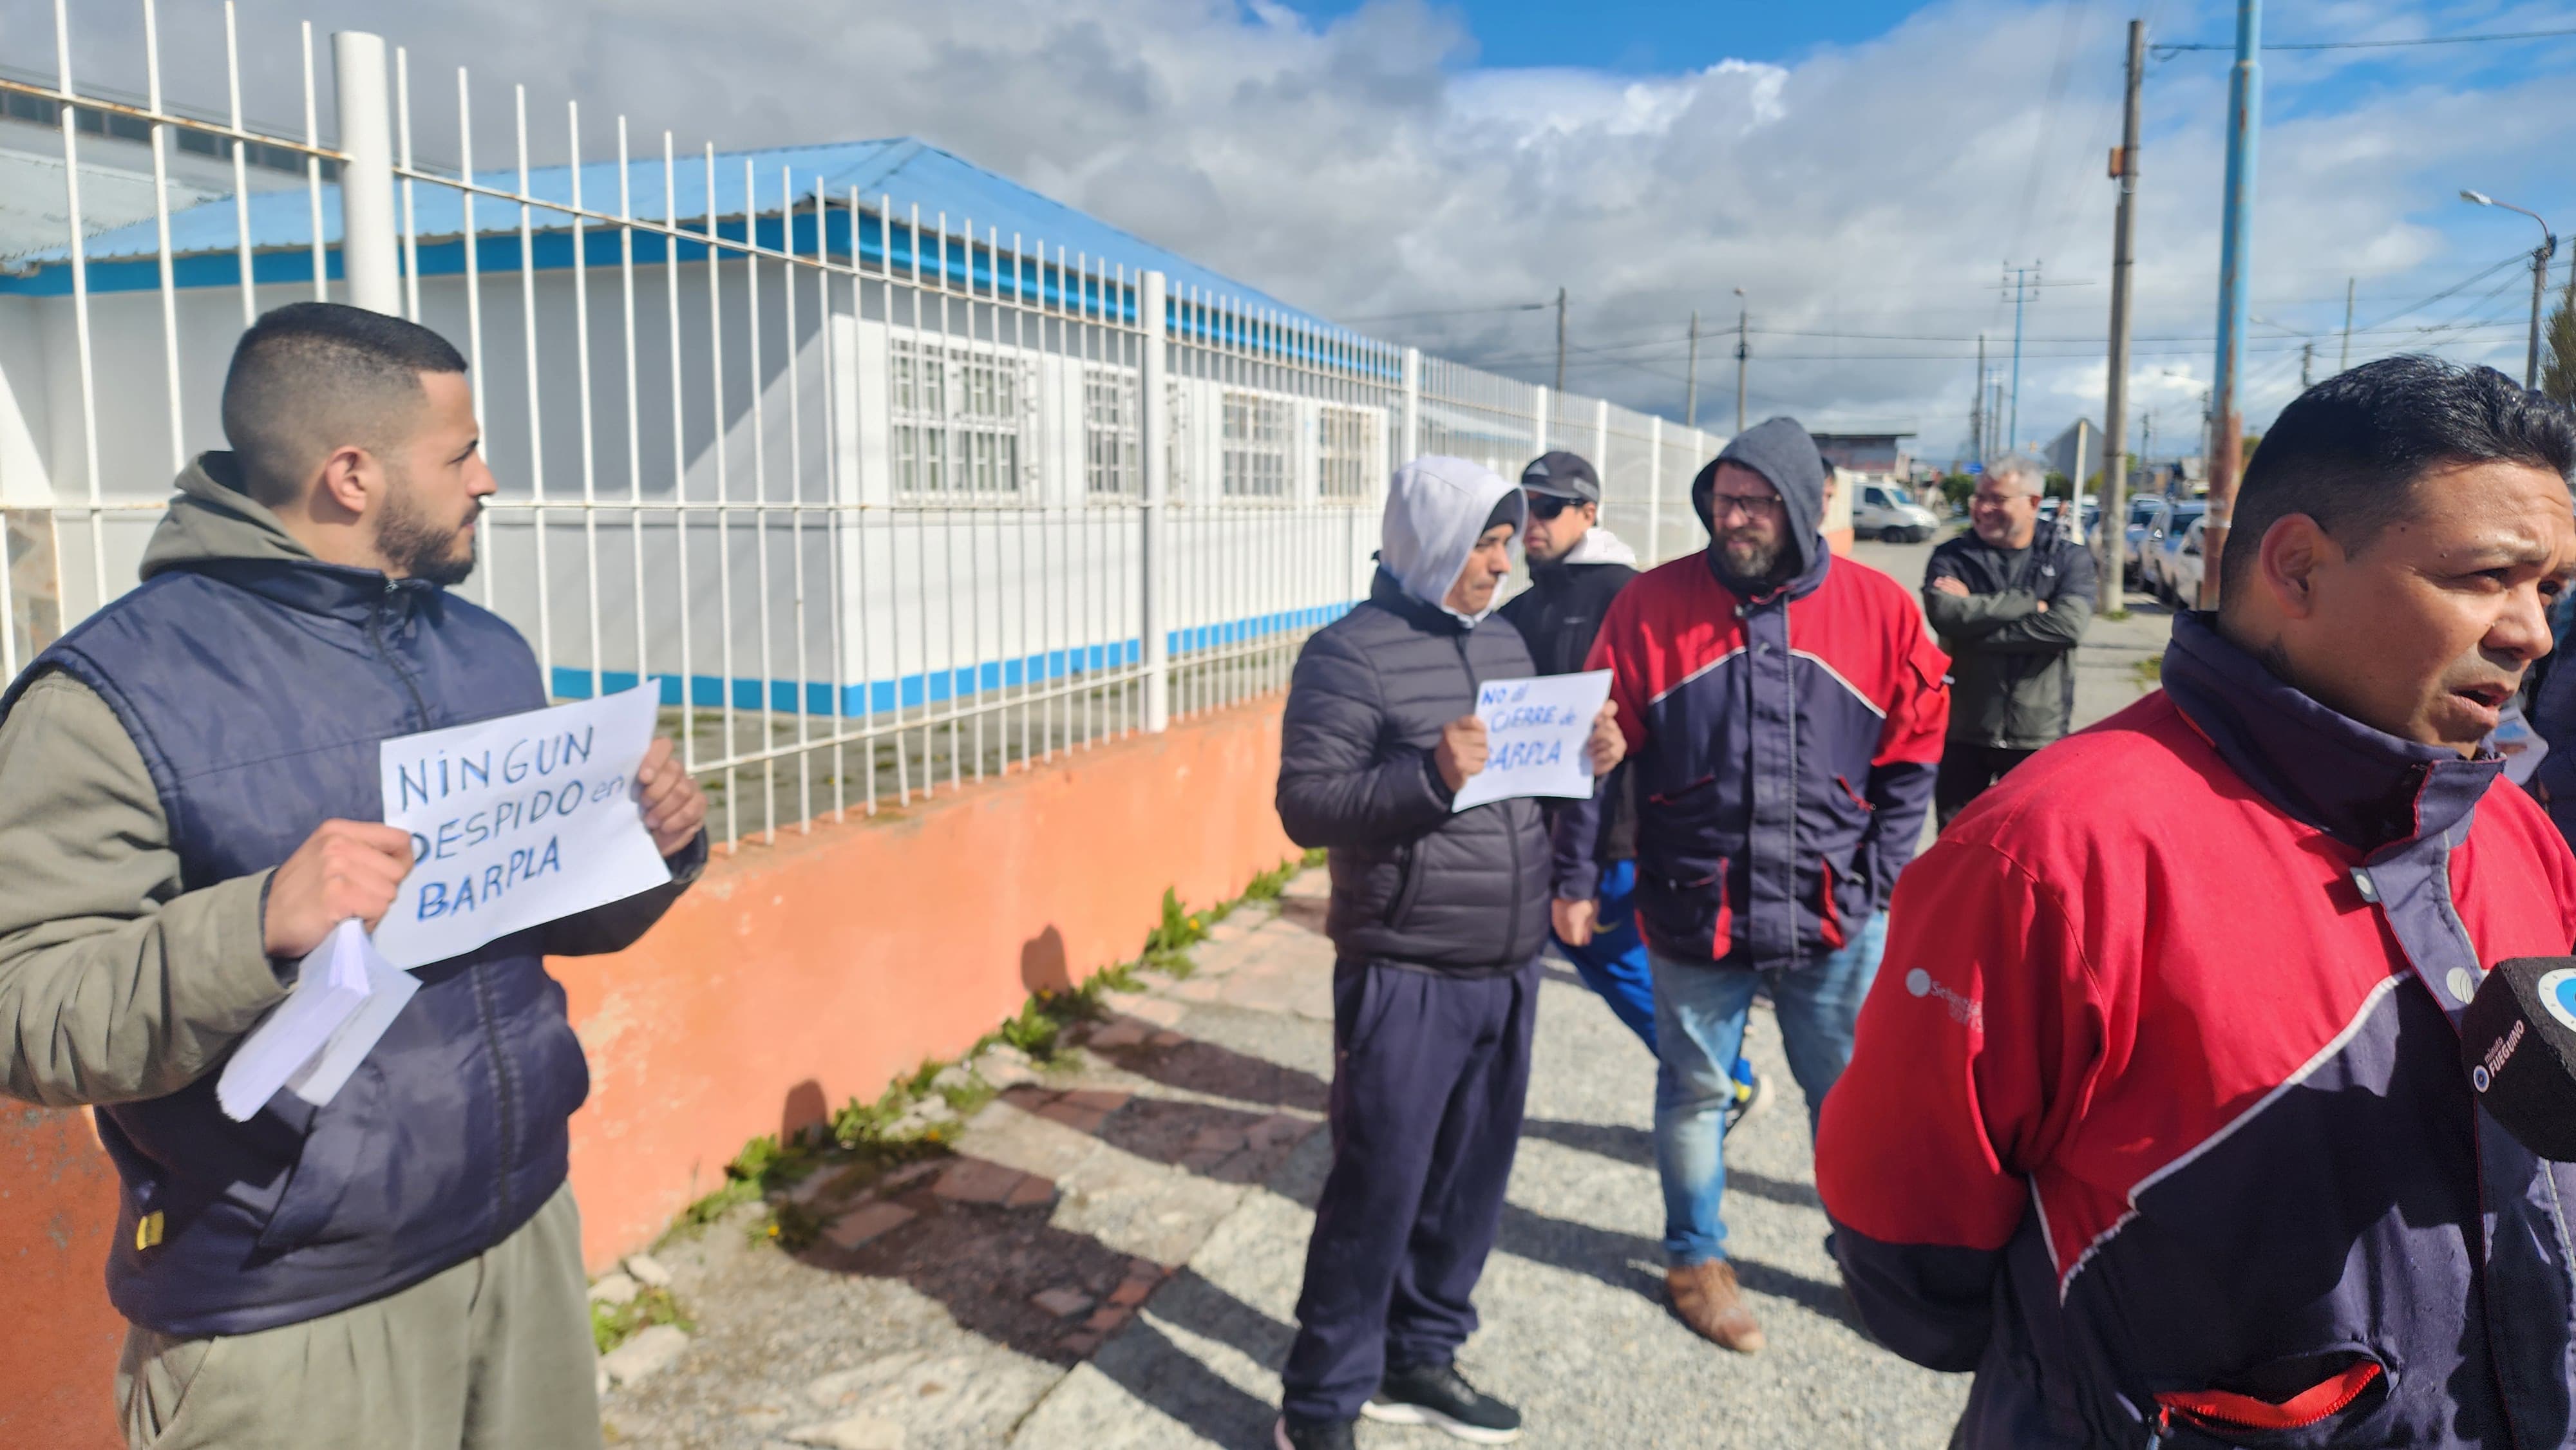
[{"x": 1544, "y": 506}]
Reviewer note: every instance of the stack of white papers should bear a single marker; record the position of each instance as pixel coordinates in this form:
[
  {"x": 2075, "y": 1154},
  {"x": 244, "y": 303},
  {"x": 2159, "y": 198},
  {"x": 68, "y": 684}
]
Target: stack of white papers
[{"x": 345, "y": 996}]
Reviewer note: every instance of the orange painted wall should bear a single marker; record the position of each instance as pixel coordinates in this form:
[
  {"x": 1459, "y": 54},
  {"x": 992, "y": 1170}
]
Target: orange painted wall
[
  {"x": 57, "y": 1207},
  {"x": 791, "y": 979},
  {"x": 796, "y": 977}
]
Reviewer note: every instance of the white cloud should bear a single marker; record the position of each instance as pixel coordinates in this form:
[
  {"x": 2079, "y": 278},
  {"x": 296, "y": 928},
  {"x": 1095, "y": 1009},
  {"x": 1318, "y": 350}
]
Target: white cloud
[{"x": 1368, "y": 167}]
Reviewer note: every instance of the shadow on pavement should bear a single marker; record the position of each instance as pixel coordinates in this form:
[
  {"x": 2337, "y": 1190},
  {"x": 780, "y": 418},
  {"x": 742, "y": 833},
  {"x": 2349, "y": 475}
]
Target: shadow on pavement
[
  {"x": 1635, "y": 1263},
  {"x": 1623, "y": 1144},
  {"x": 985, "y": 1262},
  {"x": 1220, "y": 1072}
]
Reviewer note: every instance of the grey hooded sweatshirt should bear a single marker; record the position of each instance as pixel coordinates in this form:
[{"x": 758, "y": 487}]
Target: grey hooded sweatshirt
[
  {"x": 116, "y": 984},
  {"x": 1414, "y": 885}
]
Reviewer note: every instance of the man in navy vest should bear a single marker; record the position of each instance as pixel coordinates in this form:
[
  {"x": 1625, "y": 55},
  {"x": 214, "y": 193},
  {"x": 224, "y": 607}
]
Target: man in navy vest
[{"x": 189, "y": 804}]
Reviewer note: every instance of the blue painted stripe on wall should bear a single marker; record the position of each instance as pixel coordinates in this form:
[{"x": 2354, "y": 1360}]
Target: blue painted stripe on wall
[{"x": 911, "y": 692}]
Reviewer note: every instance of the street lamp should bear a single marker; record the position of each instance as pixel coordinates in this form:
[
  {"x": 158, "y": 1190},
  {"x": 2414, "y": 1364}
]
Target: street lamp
[{"x": 2540, "y": 256}]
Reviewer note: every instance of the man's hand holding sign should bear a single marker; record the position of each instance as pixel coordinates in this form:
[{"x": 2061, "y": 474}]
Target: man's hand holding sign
[
  {"x": 355, "y": 868},
  {"x": 1546, "y": 743},
  {"x": 490, "y": 828}
]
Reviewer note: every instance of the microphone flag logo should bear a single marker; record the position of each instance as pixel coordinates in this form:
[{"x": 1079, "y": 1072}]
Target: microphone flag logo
[{"x": 2558, "y": 994}]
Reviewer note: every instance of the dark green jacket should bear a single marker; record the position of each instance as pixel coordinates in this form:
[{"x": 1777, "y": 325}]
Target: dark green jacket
[{"x": 2012, "y": 664}]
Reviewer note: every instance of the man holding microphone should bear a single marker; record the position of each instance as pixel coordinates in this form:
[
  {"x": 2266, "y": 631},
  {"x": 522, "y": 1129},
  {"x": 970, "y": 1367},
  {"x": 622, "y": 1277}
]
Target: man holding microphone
[{"x": 189, "y": 803}]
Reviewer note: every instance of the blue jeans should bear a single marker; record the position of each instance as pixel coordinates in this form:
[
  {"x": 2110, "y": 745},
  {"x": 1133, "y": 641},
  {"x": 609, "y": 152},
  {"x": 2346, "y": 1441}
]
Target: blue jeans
[{"x": 1699, "y": 1026}]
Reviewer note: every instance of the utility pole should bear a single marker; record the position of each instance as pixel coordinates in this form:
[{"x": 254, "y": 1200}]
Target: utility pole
[
  {"x": 1741, "y": 353},
  {"x": 2307, "y": 364},
  {"x": 1690, "y": 397},
  {"x": 2344, "y": 364},
  {"x": 1560, "y": 341},
  {"x": 2021, "y": 285},
  {"x": 1977, "y": 410},
  {"x": 2540, "y": 256},
  {"x": 2235, "y": 279},
  {"x": 2115, "y": 413}
]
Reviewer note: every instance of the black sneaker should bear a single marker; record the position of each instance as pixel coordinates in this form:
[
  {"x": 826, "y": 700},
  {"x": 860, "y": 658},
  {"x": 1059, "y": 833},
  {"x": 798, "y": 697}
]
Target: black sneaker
[
  {"x": 1438, "y": 1396},
  {"x": 1296, "y": 1433}
]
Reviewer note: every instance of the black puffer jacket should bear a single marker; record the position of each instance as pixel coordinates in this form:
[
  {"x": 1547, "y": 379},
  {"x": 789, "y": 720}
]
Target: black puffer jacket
[{"x": 1413, "y": 885}]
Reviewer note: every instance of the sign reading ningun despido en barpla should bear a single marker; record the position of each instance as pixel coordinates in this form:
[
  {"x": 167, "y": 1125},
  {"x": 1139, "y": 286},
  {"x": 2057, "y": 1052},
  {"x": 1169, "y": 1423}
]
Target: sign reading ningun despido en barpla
[{"x": 515, "y": 822}]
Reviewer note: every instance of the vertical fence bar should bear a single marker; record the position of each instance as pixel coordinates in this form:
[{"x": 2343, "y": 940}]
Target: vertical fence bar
[
  {"x": 241, "y": 169},
  {"x": 161, "y": 226},
  {"x": 410, "y": 219},
  {"x": 313, "y": 175},
  {"x": 80, "y": 309},
  {"x": 370, "y": 252},
  {"x": 589, "y": 420},
  {"x": 1153, "y": 424},
  {"x": 1653, "y": 552},
  {"x": 536, "y": 415}
]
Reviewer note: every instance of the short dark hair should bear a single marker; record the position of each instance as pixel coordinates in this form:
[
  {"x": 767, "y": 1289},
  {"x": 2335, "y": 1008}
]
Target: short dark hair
[
  {"x": 314, "y": 376},
  {"x": 2348, "y": 451}
]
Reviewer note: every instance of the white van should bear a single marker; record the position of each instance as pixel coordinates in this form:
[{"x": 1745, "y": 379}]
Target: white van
[{"x": 1885, "y": 511}]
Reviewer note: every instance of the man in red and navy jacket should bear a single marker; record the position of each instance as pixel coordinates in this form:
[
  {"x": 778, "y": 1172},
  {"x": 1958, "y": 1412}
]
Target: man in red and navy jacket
[
  {"x": 2157, "y": 1121},
  {"x": 1784, "y": 711}
]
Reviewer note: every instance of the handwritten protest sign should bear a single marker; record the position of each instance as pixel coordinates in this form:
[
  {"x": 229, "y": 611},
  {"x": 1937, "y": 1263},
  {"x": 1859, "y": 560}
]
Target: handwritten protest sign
[
  {"x": 515, "y": 822},
  {"x": 1534, "y": 734}
]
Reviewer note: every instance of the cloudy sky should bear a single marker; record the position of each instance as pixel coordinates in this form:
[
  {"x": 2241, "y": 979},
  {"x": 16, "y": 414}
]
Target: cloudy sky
[{"x": 1862, "y": 169}]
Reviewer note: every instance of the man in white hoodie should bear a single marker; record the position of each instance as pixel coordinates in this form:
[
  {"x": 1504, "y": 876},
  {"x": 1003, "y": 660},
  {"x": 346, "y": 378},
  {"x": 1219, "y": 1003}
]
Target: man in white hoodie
[{"x": 1437, "y": 919}]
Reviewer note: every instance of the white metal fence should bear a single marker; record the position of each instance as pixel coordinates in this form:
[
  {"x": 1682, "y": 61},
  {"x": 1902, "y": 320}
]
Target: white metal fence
[{"x": 883, "y": 501}]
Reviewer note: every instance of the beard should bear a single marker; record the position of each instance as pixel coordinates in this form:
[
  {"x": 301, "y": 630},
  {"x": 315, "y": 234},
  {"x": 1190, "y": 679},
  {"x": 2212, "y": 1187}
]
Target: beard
[
  {"x": 416, "y": 546},
  {"x": 1747, "y": 564}
]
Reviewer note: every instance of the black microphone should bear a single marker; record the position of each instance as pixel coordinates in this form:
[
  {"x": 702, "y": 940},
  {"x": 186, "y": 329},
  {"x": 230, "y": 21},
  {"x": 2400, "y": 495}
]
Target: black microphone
[{"x": 2518, "y": 1045}]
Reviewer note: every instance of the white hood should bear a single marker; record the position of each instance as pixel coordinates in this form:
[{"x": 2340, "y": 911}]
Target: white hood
[
  {"x": 1435, "y": 509},
  {"x": 1600, "y": 546}
]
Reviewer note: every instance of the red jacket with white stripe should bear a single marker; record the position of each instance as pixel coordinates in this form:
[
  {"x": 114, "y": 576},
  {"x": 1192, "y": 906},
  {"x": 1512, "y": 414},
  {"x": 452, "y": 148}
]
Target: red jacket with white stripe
[
  {"x": 1783, "y": 750},
  {"x": 2156, "y": 1120}
]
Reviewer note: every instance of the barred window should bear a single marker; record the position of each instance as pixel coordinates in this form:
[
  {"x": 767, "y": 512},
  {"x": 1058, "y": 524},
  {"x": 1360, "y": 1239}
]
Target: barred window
[
  {"x": 1346, "y": 451},
  {"x": 1256, "y": 446},
  {"x": 957, "y": 422},
  {"x": 1110, "y": 429}
]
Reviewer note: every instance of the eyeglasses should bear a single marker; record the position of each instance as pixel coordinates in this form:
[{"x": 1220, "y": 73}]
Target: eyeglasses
[
  {"x": 1543, "y": 506},
  {"x": 1754, "y": 505}
]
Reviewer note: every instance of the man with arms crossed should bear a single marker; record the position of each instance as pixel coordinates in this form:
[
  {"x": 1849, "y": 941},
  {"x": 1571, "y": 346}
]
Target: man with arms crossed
[
  {"x": 2009, "y": 601},
  {"x": 189, "y": 803},
  {"x": 2157, "y": 1120}
]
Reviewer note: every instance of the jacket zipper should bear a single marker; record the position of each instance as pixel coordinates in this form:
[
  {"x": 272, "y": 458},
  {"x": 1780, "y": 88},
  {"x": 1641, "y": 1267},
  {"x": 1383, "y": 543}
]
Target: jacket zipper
[
  {"x": 505, "y": 1088},
  {"x": 376, "y": 632}
]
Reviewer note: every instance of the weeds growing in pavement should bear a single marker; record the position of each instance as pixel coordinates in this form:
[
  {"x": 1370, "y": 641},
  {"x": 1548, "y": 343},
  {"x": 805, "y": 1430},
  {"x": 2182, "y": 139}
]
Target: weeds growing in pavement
[
  {"x": 865, "y": 1140},
  {"x": 2150, "y": 672},
  {"x": 613, "y": 1324}
]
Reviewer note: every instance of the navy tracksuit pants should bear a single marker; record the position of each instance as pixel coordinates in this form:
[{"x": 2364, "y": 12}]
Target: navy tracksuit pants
[{"x": 1429, "y": 1074}]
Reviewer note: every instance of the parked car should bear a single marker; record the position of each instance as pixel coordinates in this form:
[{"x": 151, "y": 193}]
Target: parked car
[
  {"x": 2164, "y": 546},
  {"x": 1884, "y": 511},
  {"x": 2184, "y": 567},
  {"x": 2144, "y": 511}
]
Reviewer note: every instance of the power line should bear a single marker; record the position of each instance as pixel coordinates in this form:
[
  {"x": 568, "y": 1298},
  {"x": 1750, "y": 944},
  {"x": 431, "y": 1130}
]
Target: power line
[{"x": 2163, "y": 52}]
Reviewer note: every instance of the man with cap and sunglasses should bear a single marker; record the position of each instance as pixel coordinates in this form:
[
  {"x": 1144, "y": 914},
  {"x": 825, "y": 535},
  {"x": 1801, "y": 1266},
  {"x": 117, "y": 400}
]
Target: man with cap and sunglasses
[
  {"x": 1783, "y": 710},
  {"x": 1576, "y": 568}
]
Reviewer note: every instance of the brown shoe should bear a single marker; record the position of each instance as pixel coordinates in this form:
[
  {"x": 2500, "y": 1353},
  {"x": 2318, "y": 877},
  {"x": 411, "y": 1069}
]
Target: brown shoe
[{"x": 1710, "y": 1302}]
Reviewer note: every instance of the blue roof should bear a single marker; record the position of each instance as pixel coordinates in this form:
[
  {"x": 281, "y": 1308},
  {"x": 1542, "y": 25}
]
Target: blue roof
[{"x": 761, "y": 186}]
